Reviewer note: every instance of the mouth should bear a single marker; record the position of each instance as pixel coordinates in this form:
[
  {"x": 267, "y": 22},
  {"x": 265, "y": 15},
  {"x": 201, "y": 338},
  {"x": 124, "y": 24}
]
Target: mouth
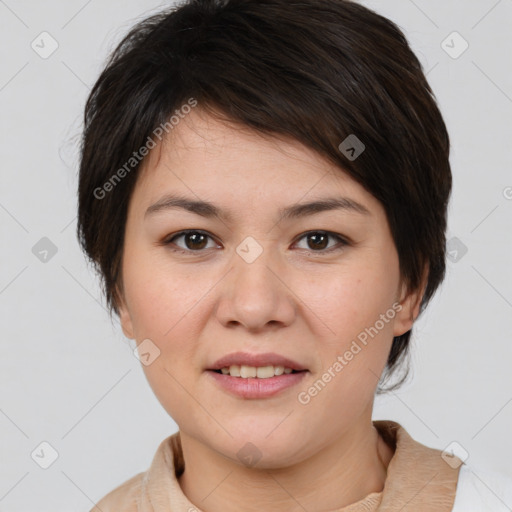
[{"x": 256, "y": 376}]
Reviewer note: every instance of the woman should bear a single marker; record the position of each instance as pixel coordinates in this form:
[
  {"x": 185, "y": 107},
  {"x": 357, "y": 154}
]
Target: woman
[{"x": 264, "y": 189}]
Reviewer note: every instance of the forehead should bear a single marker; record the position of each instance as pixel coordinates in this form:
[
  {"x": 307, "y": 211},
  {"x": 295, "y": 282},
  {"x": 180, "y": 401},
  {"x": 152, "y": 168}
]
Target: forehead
[
  {"x": 200, "y": 136},
  {"x": 206, "y": 157}
]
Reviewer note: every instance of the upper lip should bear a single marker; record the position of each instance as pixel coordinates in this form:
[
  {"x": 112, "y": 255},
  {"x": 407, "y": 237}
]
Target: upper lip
[{"x": 247, "y": 359}]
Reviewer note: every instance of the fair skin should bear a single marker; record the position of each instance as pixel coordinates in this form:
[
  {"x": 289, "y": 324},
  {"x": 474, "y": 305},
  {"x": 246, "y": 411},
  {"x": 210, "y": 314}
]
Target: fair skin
[{"x": 298, "y": 298}]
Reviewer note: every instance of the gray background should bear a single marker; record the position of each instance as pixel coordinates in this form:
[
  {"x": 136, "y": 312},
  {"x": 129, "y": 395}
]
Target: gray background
[{"x": 67, "y": 374}]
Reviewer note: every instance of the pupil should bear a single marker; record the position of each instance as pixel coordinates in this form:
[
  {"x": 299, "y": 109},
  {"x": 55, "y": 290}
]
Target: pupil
[
  {"x": 315, "y": 237},
  {"x": 193, "y": 238}
]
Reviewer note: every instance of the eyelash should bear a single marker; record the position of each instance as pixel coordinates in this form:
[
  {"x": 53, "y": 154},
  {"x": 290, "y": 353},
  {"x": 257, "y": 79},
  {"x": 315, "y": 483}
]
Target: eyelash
[{"x": 170, "y": 241}]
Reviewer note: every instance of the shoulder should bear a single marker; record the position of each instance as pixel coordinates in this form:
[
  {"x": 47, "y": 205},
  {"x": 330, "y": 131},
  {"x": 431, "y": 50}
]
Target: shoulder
[
  {"x": 135, "y": 494},
  {"x": 480, "y": 489},
  {"x": 123, "y": 498}
]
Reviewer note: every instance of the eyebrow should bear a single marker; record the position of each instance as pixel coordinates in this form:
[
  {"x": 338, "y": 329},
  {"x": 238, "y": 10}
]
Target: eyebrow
[{"x": 209, "y": 210}]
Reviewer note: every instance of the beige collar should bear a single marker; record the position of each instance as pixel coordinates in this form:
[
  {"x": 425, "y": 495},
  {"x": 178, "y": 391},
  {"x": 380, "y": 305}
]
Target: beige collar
[{"x": 418, "y": 479}]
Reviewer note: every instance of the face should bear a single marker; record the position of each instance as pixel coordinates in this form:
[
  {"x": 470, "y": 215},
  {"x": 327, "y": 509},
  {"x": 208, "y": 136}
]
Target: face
[{"x": 256, "y": 273}]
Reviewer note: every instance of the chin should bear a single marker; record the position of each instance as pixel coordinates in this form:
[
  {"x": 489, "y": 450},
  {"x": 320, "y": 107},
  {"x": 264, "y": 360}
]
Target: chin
[{"x": 261, "y": 452}]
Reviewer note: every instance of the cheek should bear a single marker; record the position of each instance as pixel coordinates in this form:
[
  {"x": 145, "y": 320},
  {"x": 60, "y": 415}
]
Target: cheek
[
  {"x": 351, "y": 303},
  {"x": 353, "y": 358},
  {"x": 349, "y": 300},
  {"x": 160, "y": 298},
  {"x": 165, "y": 307}
]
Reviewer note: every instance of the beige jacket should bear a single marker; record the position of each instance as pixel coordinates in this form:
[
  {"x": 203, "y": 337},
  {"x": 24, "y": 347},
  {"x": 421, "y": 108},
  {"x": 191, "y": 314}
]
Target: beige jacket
[{"x": 419, "y": 479}]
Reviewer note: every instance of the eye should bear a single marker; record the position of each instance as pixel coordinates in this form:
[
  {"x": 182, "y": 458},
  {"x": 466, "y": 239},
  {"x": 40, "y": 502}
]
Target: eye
[
  {"x": 194, "y": 240},
  {"x": 197, "y": 241},
  {"x": 318, "y": 241}
]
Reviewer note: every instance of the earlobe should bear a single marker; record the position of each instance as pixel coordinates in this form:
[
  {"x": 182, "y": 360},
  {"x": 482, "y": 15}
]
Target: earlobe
[
  {"x": 410, "y": 302},
  {"x": 124, "y": 316},
  {"x": 126, "y": 323}
]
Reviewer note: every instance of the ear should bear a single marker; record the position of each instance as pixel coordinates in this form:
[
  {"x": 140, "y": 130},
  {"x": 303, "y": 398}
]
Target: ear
[
  {"x": 410, "y": 302},
  {"x": 124, "y": 315}
]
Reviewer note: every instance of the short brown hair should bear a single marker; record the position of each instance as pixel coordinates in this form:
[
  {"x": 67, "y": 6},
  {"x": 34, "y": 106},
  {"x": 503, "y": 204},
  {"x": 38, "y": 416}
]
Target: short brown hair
[{"x": 313, "y": 70}]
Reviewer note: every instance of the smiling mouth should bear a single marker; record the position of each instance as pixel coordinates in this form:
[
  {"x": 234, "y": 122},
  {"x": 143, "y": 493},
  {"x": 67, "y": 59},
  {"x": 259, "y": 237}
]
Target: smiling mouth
[{"x": 258, "y": 372}]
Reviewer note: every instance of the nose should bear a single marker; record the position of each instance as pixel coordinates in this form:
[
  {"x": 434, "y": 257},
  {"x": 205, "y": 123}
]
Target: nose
[{"x": 256, "y": 295}]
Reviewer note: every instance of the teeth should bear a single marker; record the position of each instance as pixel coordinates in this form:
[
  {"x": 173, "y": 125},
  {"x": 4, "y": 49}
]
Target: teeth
[
  {"x": 248, "y": 371},
  {"x": 234, "y": 370},
  {"x": 264, "y": 372},
  {"x": 260, "y": 372}
]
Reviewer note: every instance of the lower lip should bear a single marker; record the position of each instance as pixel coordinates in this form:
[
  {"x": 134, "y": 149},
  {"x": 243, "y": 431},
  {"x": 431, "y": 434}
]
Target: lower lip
[{"x": 254, "y": 387}]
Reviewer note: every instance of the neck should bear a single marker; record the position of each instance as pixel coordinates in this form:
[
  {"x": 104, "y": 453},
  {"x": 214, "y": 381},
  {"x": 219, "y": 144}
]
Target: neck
[{"x": 342, "y": 473}]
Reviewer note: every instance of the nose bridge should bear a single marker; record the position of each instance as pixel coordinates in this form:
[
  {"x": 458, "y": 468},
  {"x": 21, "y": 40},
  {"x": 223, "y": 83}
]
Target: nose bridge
[
  {"x": 255, "y": 296},
  {"x": 252, "y": 264}
]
